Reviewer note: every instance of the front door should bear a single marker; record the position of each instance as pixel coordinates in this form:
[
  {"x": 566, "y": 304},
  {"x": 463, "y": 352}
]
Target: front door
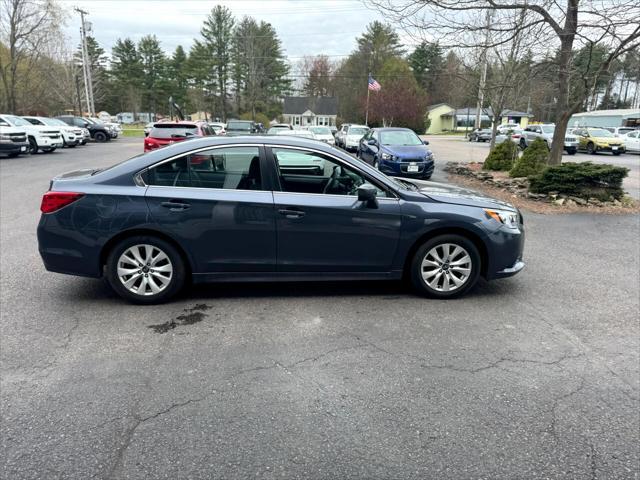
[
  {"x": 216, "y": 204},
  {"x": 321, "y": 225}
]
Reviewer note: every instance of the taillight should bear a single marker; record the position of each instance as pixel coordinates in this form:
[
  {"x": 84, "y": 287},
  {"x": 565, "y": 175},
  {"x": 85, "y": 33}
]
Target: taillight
[
  {"x": 150, "y": 144},
  {"x": 54, "y": 201}
]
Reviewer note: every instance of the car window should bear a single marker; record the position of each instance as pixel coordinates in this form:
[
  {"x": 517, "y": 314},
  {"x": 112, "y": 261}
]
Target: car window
[
  {"x": 600, "y": 132},
  {"x": 34, "y": 121},
  {"x": 4, "y": 123},
  {"x": 173, "y": 131},
  {"x": 303, "y": 171},
  {"x": 232, "y": 168},
  {"x": 357, "y": 131},
  {"x": 399, "y": 137}
]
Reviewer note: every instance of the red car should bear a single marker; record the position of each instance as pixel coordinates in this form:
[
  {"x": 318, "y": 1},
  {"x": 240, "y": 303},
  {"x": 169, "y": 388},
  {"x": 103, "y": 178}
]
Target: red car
[{"x": 167, "y": 133}]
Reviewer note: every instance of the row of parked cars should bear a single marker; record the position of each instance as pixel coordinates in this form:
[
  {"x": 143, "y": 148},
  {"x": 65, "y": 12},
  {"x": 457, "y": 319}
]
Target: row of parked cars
[
  {"x": 33, "y": 134},
  {"x": 615, "y": 140}
]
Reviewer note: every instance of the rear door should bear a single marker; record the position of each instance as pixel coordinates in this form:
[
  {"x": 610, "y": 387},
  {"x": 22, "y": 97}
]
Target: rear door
[
  {"x": 217, "y": 203},
  {"x": 321, "y": 225}
]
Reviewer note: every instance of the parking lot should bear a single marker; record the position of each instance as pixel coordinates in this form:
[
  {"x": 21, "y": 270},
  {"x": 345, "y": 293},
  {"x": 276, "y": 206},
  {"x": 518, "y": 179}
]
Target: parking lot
[{"x": 536, "y": 376}]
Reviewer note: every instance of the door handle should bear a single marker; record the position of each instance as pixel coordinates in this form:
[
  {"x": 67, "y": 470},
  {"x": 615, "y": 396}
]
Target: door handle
[
  {"x": 290, "y": 213},
  {"x": 176, "y": 206}
]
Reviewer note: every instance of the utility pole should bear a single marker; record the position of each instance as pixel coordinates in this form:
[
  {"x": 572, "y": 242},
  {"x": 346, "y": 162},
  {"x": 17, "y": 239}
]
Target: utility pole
[
  {"x": 483, "y": 76},
  {"x": 86, "y": 67}
]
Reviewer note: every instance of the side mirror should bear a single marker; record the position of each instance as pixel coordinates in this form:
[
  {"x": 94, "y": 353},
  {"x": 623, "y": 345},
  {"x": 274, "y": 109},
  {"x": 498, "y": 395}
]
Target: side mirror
[
  {"x": 367, "y": 194},
  {"x": 426, "y": 142},
  {"x": 371, "y": 141}
]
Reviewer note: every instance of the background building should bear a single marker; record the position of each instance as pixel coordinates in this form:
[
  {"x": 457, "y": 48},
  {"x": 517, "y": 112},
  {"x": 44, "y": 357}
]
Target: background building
[
  {"x": 445, "y": 118},
  {"x": 629, "y": 117},
  {"x": 306, "y": 111}
]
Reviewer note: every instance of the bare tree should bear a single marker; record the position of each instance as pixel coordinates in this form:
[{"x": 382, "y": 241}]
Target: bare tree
[
  {"x": 563, "y": 28},
  {"x": 25, "y": 28}
]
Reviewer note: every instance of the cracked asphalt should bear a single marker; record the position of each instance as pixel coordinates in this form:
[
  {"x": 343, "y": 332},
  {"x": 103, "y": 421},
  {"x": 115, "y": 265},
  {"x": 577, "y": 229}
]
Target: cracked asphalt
[{"x": 531, "y": 377}]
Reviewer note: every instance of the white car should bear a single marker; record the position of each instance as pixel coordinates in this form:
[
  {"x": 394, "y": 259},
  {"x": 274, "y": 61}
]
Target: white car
[
  {"x": 71, "y": 136},
  {"x": 632, "y": 141},
  {"x": 40, "y": 137},
  {"x": 218, "y": 127},
  {"x": 353, "y": 135},
  {"x": 296, "y": 133},
  {"x": 508, "y": 126},
  {"x": 13, "y": 140},
  {"x": 323, "y": 134},
  {"x": 620, "y": 131}
]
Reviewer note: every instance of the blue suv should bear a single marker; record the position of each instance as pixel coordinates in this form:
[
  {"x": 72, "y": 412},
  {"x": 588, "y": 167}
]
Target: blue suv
[{"x": 398, "y": 152}]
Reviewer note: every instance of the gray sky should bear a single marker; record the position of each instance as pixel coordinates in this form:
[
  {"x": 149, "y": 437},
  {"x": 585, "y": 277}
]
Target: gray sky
[{"x": 304, "y": 27}]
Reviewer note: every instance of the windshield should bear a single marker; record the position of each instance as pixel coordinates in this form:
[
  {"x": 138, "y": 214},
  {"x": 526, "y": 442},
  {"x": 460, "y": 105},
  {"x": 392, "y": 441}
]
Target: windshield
[
  {"x": 357, "y": 131},
  {"x": 54, "y": 122},
  {"x": 399, "y": 137},
  {"x": 173, "y": 131},
  {"x": 320, "y": 130},
  {"x": 17, "y": 121},
  {"x": 599, "y": 132},
  {"x": 548, "y": 128},
  {"x": 245, "y": 126}
]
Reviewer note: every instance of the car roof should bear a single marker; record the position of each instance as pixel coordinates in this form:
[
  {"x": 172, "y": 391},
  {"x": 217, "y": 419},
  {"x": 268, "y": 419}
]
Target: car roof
[{"x": 391, "y": 129}]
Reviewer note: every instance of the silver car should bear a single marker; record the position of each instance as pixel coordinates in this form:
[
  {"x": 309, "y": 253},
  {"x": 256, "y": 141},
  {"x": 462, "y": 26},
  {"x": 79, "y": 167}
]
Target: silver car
[{"x": 545, "y": 131}]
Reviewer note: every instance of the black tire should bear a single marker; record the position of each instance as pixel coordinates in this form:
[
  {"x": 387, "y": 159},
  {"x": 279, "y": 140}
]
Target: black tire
[
  {"x": 13, "y": 155},
  {"x": 571, "y": 151},
  {"x": 591, "y": 149},
  {"x": 33, "y": 146},
  {"x": 470, "y": 280},
  {"x": 174, "y": 285},
  {"x": 617, "y": 153},
  {"x": 100, "y": 137},
  {"x": 72, "y": 146},
  {"x": 49, "y": 149},
  {"x": 523, "y": 144},
  {"x": 427, "y": 177}
]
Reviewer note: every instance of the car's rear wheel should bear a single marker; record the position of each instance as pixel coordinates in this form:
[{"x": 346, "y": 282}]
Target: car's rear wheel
[
  {"x": 446, "y": 266},
  {"x": 145, "y": 269}
]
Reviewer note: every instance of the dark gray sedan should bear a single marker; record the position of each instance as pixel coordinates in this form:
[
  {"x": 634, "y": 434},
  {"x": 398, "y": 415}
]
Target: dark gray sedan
[{"x": 265, "y": 209}]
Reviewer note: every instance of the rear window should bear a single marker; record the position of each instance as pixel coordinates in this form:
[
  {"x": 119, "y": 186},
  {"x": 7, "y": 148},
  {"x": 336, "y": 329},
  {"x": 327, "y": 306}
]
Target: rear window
[
  {"x": 357, "y": 131},
  {"x": 239, "y": 126},
  {"x": 173, "y": 131}
]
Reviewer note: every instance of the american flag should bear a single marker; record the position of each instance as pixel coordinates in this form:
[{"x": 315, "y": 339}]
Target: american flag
[{"x": 373, "y": 85}]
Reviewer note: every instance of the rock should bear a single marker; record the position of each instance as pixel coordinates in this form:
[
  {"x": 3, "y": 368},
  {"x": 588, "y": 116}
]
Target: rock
[
  {"x": 536, "y": 196},
  {"x": 559, "y": 201},
  {"x": 616, "y": 203},
  {"x": 570, "y": 203},
  {"x": 553, "y": 196},
  {"x": 594, "y": 201},
  {"x": 578, "y": 200}
]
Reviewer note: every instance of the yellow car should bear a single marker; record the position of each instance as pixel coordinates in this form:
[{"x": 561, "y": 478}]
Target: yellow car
[{"x": 595, "y": 140}]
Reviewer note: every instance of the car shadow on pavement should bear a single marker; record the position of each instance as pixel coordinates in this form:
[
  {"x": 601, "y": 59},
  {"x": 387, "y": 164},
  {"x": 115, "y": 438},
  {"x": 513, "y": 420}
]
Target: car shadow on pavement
[{"x": 91, "y": 290}]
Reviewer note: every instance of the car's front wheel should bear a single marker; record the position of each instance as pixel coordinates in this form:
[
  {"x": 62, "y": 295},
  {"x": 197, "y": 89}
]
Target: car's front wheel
[
  {"x": 145, "y": 269},
  {"x": 100, "y": 137},
  {"x": 446, "y": 266},
  {"x": 591, "y": 149},
  {"x": 33, "y": 146}
]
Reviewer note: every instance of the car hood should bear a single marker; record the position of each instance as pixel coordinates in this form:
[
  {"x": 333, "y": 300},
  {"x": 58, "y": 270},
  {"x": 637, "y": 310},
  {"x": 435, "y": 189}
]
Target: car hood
[
  {"x": 446, "y": 193},
  {"x": 407, "y": 151},
  {"x": 609, "y": 140}
]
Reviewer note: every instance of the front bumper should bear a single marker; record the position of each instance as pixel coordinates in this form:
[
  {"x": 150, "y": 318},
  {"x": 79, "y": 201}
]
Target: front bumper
[
  {"x": 10, "y": 148},
  {"x": 49, "y": 142},
  {"x": 407, "y": 168},
  {"x": 610, "y": 148},
  {"x": 511, "y": 271}
]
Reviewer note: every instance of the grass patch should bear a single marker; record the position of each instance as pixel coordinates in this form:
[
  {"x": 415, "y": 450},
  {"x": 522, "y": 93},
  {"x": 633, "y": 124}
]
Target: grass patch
[{"x": 133, "y": 132}]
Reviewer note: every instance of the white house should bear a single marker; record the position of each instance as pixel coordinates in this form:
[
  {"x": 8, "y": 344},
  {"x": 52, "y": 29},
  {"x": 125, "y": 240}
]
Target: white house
[{"x": 307, "y": 111}]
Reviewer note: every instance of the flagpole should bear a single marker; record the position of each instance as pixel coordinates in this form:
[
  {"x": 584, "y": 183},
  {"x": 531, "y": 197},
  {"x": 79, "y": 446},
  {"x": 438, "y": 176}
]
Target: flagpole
[{"x": 366, "y": 114}]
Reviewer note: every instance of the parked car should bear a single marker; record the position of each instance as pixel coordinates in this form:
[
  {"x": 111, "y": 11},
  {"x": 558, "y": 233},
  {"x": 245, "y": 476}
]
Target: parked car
[
  {"x": 71, "y": 136},
  {"x": 111, "y": 127},
  {"x": 40, "y": 137},
  {"x": 632, "y": 141},
  {"x": 511, "y": 135},
  {"x": 86, "y": 136},
  {"x": 218, "y": 128},
  {"x": 323, "y": 134},
  {"x": 480, "y": 135},
  {"x": 397, "y": 152},
  {"x": 148, "y": 127},
  {"x": 595, "y": 140},
  {"x": 13, "y": 140},
  {"x": 241, "y": 127},
  {"x": 295, "y": 133},
  {"x": 507, "y": 127},
  {"x": 168, "y": 133},
  {"x": 334, "y": 130},
  {"x": 285, "y": 126},
  {"x": 351, "y": 139},
  {"x": 545, "y": 132},
  {"x": 98, "y": 131},
  {"x": 260, "y": 209},
  {"x": 620, "y": 131},
  {"x": 341, "y": 134}
]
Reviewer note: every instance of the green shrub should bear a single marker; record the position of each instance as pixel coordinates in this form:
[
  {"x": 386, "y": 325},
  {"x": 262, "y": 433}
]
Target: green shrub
[
  {"x": 584, "y": 180},
  {"x": 533, "y": 161},
  {"x": 501, "y": 157}
]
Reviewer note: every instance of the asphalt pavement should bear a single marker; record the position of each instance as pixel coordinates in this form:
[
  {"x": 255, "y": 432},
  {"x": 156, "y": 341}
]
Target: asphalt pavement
[{"x": 536, "y": 376}]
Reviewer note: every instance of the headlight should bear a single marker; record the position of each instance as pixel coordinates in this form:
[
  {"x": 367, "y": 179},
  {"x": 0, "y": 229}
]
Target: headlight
[
  {"x": 505, "y": 217},
  {"x": 386, "y": 156},
  {"x": 5, "y": 138}
]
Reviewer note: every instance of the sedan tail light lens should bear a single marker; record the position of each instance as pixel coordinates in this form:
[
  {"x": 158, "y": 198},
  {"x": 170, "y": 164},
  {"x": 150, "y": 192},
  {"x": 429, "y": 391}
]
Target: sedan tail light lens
[{"x": 54, "y": 201}]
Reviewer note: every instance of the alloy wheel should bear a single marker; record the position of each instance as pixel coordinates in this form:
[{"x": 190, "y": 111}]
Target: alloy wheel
[
  {"x": 446, "y": 267},
  {"x": 144, "y": 269}
]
